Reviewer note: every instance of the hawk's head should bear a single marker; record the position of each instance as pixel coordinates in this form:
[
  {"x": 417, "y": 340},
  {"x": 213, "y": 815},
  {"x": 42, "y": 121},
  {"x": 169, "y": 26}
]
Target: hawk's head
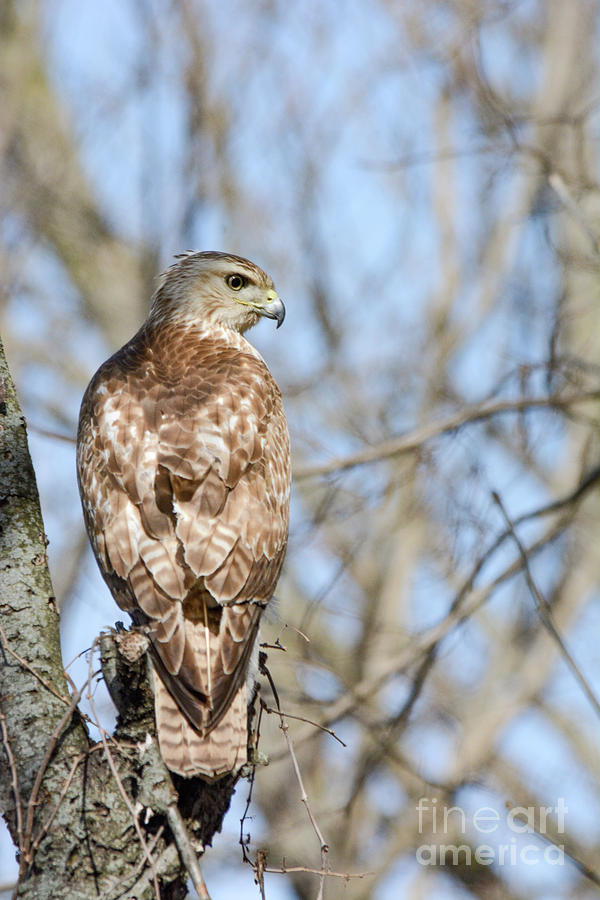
[{"x": 216, "y": 288}]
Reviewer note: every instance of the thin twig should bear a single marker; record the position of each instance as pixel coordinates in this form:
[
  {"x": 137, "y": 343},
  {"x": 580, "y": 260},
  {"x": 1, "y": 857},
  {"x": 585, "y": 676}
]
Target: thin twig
[
  {"x": 559, "y": 185},
  {"x": 259, "y": 871},
  {"x": 14, "y": 781},
  {"x": 545, "y": 611},
  {"x": 585, "y": 870},
  {"x": 186, "y": 851},
  {"x": 243, "y": 842},
  {"x": 46, "y": 826},
  {"x": 287, "y": 625},
  {"x": 346, "y": 876},
  {"x": 303, "y": 795},
  {"x": 260, "y": 867},
  {"x": 133, "y": 877},
  {"x": 49, "y": 433},
  {"x": 27, "y": 857},
  {"x": 277, "y": 712}
]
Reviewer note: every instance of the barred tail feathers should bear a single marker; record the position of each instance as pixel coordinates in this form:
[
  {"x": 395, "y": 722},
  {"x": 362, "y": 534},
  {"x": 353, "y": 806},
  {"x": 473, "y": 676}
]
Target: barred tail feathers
[{"x": 187, "y": 752}]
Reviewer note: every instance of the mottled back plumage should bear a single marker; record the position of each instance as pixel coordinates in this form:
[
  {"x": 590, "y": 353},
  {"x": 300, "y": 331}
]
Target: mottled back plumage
[{"x": 184, "y": 474}]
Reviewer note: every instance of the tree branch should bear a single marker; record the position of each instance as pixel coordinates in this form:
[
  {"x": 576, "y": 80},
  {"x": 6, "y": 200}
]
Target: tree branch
[{"x": 406, "y": 443}]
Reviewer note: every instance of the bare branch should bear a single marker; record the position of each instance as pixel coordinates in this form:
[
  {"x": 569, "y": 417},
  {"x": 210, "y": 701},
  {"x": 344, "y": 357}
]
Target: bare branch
[
  {"x": 545, "y": 611},
  {"x": 470, "y": 415}
]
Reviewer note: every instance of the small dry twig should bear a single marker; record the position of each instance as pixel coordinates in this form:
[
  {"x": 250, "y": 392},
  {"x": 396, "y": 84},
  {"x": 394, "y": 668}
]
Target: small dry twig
[
  {"x": 278, "y": 712},
  {"x": 559, "y": 185},
  {"x": 328, "y": 873},
  {"x": 261, "y": 865},
  {"x": 245, "y": 841},
  {"x": 14, "y": 780},
  {"x": 187, "y": 852},
  {"x": 585, "y": 870},
  {"x": 303, "y": 795},
  {"x": 133, "y": 878},
  {"x": 35, "y": 843},
  {"x": 49, "y": 433},
  {"x": 27, "y": 856}
]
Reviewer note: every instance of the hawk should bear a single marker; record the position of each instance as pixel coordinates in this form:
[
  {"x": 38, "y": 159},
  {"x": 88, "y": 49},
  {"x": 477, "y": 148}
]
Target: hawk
[{"x": 183, "y": 466}]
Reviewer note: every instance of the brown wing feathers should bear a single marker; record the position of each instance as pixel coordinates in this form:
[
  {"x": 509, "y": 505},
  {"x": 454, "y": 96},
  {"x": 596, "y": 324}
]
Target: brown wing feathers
[{"x": 183, "y": 466}]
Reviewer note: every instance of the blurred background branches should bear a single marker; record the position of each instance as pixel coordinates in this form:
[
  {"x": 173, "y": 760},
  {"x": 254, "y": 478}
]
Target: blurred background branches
[{"x": 421, "y": 180}]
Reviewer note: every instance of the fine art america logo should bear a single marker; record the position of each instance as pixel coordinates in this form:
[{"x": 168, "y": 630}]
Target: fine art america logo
[{"x": 437, "y": 820}]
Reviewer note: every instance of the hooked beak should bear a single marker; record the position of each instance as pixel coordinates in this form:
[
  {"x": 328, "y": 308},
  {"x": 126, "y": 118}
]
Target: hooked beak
[{"x": 274, "y": 310}]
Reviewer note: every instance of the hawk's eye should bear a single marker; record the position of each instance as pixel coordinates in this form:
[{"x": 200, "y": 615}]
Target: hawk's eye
[{"x": 236, "y": 282}]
